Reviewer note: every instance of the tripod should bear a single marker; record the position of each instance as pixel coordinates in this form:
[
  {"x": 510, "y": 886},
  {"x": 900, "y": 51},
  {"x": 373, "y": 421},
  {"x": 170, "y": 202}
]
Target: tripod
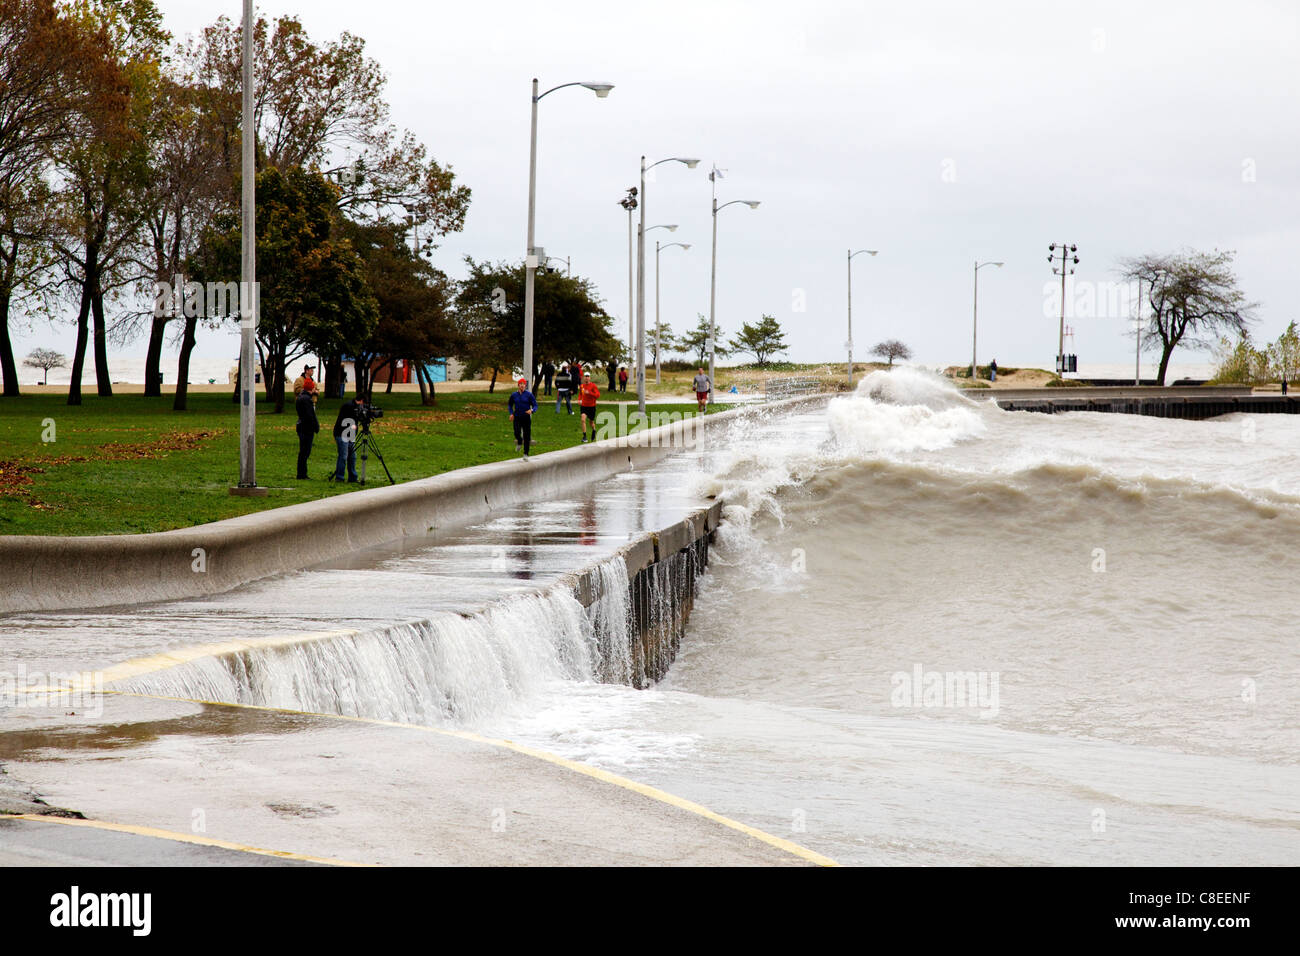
[{"x": 365, "y": 444}]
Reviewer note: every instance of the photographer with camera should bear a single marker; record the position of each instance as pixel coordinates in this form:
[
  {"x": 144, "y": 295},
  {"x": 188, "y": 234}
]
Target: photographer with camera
[{"x": 352, "y": 414}]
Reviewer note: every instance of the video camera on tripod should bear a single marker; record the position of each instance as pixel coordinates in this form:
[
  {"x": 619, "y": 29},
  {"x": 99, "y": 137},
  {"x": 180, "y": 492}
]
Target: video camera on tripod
[{"x": 365, "y": 439}]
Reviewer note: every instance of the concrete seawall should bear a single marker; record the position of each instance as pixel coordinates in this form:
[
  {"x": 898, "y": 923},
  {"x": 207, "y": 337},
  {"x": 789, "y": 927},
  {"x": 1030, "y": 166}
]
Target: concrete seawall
[
  {"x": 662, "y": 569},
  {"x": 50, "y": 573}
]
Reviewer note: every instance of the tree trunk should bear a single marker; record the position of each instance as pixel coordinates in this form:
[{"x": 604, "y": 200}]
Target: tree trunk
[
  {"x": 419, "y": 380},
  {"x": 392, "y": 369},
  {"x": 331, "y": 372},
  {"x": 153, "y": 358},
  {"x": 275, "y": 377},
  {"x": 1165, "y": 355},
  {"x": 492, "y": 386},
  {"x": 7, "y": 351},
  {"x": 180, "y": 402},
  {"x": 79, "y": 356},
  {"x": 102, "y": 379}
]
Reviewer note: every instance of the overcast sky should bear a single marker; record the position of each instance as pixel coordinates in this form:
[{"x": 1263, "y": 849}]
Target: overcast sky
[{"x": 937, "y": 133}]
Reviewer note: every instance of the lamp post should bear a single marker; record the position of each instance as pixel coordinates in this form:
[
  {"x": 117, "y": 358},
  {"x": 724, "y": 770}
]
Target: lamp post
[
  {"x": 848, "y": 344},
  {"x": 1067, "y": 263},
  {"x": 713, "y": 273},
  {"x": 659, "y": 249},
  {"x": 974, "y": 324},
  {"x": 568, "y": 263},
  {"x": 248, "y": 304},
  {"x": 640, "y": 279},
  {"x": 629, "y": 203},
  {"x": 530, "y": 262}
]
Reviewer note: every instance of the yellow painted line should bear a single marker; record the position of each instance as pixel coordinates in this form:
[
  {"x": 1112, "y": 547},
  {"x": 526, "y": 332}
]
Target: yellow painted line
[
  {"x": 174, "y": 658},
  {"x": 177, "y": 837},
  {"x": 645, "y": 790}
]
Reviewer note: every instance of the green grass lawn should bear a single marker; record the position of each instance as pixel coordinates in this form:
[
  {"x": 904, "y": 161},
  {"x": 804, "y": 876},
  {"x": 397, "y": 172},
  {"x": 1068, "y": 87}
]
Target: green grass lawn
[{"x": 131, "y": 464}]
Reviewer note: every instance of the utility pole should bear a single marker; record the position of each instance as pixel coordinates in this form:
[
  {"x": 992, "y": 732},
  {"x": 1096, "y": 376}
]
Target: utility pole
[
  {"x": 248, "y": 299},
  {"x": 1068, "y": 261},
  {"x": 1137, "y": 354}
]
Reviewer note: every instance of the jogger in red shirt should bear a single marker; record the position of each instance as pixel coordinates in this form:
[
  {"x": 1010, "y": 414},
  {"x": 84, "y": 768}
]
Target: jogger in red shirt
[{"x": 587, "y": 404}]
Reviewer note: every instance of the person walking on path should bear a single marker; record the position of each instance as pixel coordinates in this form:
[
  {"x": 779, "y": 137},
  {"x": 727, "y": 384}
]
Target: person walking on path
[
  {"x": 612, "y": 371},
  {"x": 345, "y": 437},
  {"x": 563, "y": 389},
  {"x": 548, "y": 374},
  {"x": 622, "y": 378},
  {"x": 993, "y": 370},
  {"x": 522, "y": 403},
  {"x": 702, "y": 387},
  {"x": 587, "y": 405},
  {"x": 307, "y": 428}
]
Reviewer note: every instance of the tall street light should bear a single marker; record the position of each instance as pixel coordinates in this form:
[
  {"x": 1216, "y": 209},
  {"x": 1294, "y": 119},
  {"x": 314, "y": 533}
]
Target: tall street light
[
  {"x": 640, "y": 279},
  {"x": 248, "y": 304},
  {"x": 530, "y": 263},
  {"x": 1068, "y": 261},
  {"x": 974, "y": 362},
  {"x": 713, "y": 275},
  {"x": 629, "y": 203},
  {"x": 848, "y": 344},
  {"x": 658, "y": 325}
]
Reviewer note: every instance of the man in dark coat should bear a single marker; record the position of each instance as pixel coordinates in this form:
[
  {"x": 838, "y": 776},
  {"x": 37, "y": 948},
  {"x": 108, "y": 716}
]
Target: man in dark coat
[
  {"x": 346, "y": 427},
  {"x": 307, "y": 427}
]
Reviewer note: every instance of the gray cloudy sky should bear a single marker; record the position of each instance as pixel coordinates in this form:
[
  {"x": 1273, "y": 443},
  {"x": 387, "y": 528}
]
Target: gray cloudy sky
[{"x": 937, "y": 133}]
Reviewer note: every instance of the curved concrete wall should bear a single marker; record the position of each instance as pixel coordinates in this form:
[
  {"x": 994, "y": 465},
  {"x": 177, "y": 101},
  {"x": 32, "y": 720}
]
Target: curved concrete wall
[{"x": 49, "y": 573}]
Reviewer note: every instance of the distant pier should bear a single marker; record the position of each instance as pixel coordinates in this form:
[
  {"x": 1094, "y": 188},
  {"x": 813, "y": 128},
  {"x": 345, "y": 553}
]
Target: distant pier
[{"x": 1194, "y": 403}]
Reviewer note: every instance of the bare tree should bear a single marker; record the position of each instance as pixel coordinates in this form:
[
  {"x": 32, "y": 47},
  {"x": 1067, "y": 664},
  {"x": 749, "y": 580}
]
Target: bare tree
[
  {"x": 892, "y": 349},
  {"x": 45, "y": 359},
  {"x": 1192, "y": 300}
]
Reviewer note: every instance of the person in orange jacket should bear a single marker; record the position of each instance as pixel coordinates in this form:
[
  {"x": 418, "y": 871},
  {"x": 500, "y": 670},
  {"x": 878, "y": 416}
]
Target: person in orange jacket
[{"x": 588, "y": 394}]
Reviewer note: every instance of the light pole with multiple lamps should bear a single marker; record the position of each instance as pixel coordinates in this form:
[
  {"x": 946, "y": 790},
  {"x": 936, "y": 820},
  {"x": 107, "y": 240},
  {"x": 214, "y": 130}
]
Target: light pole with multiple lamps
[
  {"x": 530, "y": 262},
  {"x": 1068, "y": 261},
  {"x": 848, "y": 344},
  {"x": 713, "y": 277},
  {"x": 974, "y": 323},
  {"x": 640, "y": 279},
  {"x": 659, "y": 249}
]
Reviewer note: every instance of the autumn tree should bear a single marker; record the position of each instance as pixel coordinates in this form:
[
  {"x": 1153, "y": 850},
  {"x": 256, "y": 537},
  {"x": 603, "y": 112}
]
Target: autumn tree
[
  {"x": 319, "y": 105},
  {"x": 103, "y": 177},
  {"x": 762, "y": 339},
  {"x": 892, "y": 349},
  {"x": 58, "y": 83},
  {"x": 185, "y": 191},
  {"x": 1192, "y": 300},
  {"x": 312, "y": 290}
]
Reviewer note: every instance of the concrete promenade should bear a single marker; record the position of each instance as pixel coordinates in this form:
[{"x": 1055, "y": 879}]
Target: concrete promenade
[{"x": 187, "y": 782}]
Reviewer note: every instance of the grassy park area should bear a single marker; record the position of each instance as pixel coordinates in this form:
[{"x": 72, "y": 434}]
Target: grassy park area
[{"x": 130, "y": 464}]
